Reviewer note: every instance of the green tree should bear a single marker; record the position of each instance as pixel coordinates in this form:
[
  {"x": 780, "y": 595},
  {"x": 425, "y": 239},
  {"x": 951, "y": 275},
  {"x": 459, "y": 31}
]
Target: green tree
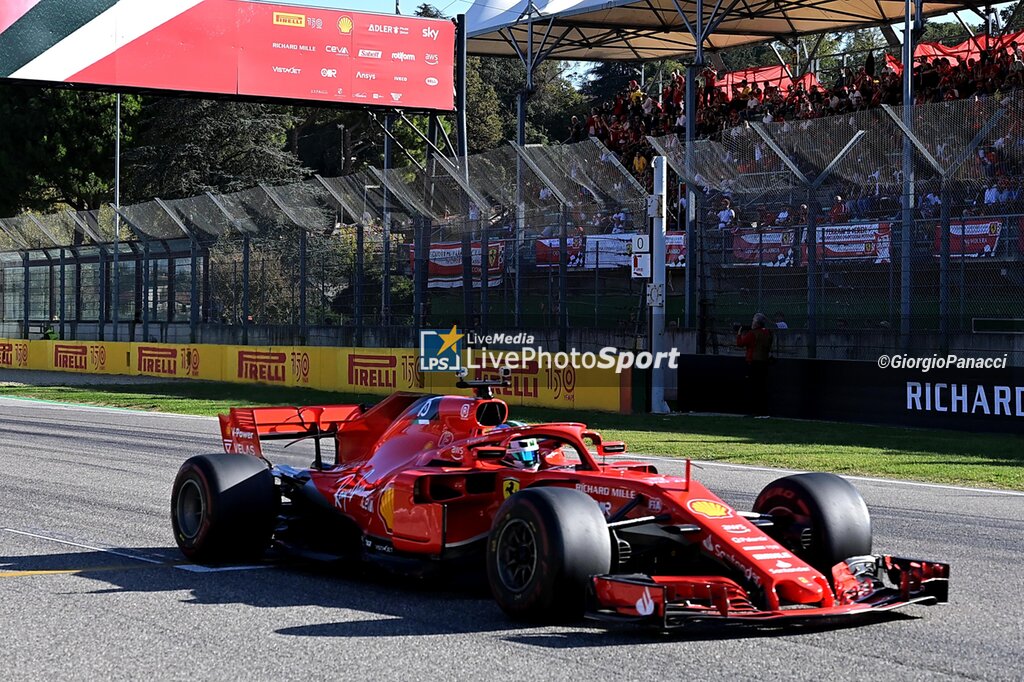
[
  {"x": 57, "y": 147},
  {"x": 185, "y": 147},
  {"x": 485, "y": 129}
]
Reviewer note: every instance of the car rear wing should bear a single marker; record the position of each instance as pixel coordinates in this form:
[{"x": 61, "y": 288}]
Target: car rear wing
[{"x": 243, "y": 428}]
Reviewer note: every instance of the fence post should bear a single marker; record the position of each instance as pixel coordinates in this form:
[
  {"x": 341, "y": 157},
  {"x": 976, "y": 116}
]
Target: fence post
[
  {"x": 485, "y": 261},
  {"x": 303, "y": 283},
  {"x": 812, "y": 275},
  {"x": 63, "y": 289},
  {"x": 193, "y": 308},
  {"x": 145, "y": 292},
  {"x": 101, "y": 268},
  {"x": 563, "y": 279},
  {"x": 944, "y": 266},
  {"x": 245, "y": 289},
  {"x": 467, "y": 277},
  {"x": 25, "y": 297},
  {"x": 357, "y": 304}
]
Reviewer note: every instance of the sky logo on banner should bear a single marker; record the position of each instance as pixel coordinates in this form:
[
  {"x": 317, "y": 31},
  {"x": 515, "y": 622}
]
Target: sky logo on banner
[{"x": 440, "y": 351}]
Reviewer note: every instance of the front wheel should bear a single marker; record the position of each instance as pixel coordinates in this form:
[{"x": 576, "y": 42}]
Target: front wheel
[
  {"x": 819, "y": 517},
  {"x": 544, "y": 546},
  {"x": 223, "y": 508}
]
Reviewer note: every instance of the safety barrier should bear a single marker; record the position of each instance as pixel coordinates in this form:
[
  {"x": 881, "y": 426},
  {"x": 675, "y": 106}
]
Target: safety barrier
[{"x": 378, "y": 371}]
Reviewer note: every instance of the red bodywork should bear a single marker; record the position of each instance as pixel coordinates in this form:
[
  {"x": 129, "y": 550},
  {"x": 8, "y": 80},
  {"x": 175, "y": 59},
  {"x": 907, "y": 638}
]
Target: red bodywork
[{"x": 425, "y": 475}]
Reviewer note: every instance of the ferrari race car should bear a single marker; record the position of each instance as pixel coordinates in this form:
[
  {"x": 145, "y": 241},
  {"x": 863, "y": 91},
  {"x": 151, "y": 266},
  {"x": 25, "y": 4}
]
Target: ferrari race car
[{"x": 564, "y": 525}]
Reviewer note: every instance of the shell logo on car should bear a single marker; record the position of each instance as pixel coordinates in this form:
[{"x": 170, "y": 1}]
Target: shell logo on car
[
  {"x": 386, "y": 506},
  {"x": 709, "y": 509}
]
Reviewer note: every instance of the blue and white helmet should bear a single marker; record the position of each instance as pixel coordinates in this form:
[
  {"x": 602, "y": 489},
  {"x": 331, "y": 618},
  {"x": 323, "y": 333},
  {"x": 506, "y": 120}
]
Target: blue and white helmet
[{"x": 523, "y": 453}]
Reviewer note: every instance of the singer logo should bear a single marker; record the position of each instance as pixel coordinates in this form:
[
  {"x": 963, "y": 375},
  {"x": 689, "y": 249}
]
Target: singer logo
[
  {"x": 260, "y": 366},
  {"x": 370, "y": 371},
  {"x": 70, "y": 357},
  {"x": 154, "y": 360}
]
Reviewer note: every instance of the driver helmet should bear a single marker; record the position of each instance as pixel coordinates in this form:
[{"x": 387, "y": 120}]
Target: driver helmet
[
  {"x": 511, "y": 424},
  {"x": 523, "y": 453}
]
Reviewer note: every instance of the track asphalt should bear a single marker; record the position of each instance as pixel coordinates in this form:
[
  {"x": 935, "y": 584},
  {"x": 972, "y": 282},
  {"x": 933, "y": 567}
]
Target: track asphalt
[{"x": 92, "y": 586}]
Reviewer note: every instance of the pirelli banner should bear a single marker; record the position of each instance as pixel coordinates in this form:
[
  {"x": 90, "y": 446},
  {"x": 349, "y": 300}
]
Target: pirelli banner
[{"x": 378, "y": 371}]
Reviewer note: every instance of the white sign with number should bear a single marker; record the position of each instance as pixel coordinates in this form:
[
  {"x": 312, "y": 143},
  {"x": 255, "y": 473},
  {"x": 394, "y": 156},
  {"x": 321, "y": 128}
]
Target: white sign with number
[
  {"x": 641, "y": 265},
  {"x": 655, "y": 295},
  {"x": 641, "y": 243}
]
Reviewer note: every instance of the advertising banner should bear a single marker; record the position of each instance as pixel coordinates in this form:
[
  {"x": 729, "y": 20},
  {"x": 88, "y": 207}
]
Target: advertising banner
[
  {"x": 444, "y": 266},
  {"x": 772, "y": 247},
  {"x": 232, "y": 47},
  {"x": 868, "y": 241},
  {"x": 601, "y": 251},
  {"x": 970, "y": 238},
  {"x": 375, "y": 371}
]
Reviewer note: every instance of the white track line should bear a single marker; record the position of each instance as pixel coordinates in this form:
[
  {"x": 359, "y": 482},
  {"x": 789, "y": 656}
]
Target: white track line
[
  {"x": 75, "y": 407},
  {"x": 697, "y": 463},
  {"x": 185, "y": 567},
  {"x": 84, "y": 546}
]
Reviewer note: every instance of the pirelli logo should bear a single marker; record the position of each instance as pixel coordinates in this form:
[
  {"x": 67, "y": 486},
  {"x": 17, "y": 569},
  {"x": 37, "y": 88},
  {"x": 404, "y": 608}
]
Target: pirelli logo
[
  {"x": 262, "y": 366},
  {"x": 289, "y": 19},
  {"x": 372, "y": 371},
  {"x": 158, "y": 360},
  {"x": 70, "y": 357}
]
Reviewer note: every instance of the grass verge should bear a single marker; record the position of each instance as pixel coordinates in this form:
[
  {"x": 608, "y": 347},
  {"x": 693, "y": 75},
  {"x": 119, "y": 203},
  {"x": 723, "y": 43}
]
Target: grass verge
[{"x": 988, "y": 460}]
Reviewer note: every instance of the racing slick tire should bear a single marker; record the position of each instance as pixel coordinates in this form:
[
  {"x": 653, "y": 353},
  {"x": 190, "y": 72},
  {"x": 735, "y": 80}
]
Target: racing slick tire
[
  {"x": 223, "y": 508},
  {"x": 543, "y": 548},
  {"x": 819, "y": 517}
]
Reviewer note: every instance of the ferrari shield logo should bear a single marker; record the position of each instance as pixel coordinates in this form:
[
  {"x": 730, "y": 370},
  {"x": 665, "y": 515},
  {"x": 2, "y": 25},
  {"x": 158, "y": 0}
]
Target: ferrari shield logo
[{"x": 509, "y": 487}]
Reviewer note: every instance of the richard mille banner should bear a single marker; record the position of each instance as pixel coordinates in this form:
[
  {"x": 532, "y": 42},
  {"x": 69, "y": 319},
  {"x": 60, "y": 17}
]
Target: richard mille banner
[{"x": 231, "y": 47}]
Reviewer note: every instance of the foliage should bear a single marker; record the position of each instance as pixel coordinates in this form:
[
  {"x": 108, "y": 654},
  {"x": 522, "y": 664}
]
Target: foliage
[
  {"x": 186, "y": 147},
  {"x": 57, "y": 147}
]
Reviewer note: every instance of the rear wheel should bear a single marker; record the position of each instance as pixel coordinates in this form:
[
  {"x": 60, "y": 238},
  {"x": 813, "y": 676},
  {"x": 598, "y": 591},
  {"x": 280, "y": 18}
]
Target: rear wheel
[
  {"x": 819, "y": 517},
  {"x": 544, "y": 546},
  {"x": 223, "y": 508}
]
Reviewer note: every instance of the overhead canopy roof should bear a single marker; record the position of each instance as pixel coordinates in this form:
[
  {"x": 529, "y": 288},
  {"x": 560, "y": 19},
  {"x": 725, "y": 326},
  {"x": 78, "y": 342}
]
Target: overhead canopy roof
[{"x": 599, "y": 30}]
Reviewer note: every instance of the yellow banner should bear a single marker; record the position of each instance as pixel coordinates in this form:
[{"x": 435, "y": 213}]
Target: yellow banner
[{"x": 378, "y": 371}]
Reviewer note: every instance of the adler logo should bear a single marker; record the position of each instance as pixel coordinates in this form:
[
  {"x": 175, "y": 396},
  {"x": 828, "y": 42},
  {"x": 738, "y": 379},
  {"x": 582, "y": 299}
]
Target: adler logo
[{"x": 431, "y": 81}]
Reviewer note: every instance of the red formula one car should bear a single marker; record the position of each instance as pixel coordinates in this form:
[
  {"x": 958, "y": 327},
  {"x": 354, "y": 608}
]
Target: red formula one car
[{"x": 422, "y": 481}]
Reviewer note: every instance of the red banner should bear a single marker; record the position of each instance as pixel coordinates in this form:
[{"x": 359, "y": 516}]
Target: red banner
[
  {"x": 970, "y": 238},
  {"x": 237, "y": 47},
  {"x": 869, "y": 241},
  {"x": 770, "y": 247},
  {"x": 445, "y": 264},
  {"x": 775, "y": 76},
  {"x": 969, "y": 49},
  {"x": 675, "y": 249},
  {"x": 547, "y": 252}
]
